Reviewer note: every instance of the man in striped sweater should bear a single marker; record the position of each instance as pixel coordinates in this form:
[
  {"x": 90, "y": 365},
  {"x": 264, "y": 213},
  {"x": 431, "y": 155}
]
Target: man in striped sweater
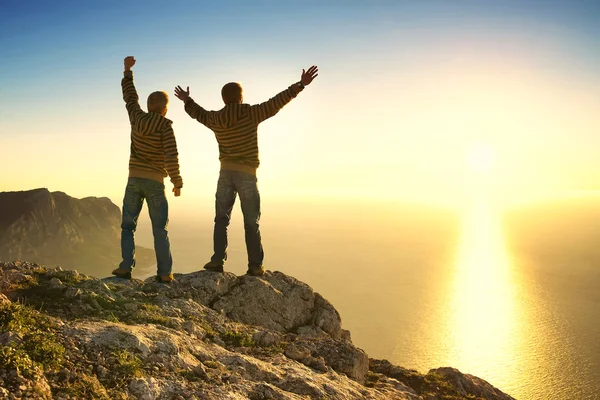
[
  {"x": 153, "y": 156},
  {"x": 235, "y": 127}
]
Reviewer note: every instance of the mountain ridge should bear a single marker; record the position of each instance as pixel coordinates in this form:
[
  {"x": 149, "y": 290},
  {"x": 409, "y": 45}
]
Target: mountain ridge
[{"x": 54, "y": 228}]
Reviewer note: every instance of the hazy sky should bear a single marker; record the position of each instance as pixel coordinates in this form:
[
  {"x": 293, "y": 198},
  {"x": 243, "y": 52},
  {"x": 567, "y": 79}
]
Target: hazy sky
[{"x": 417, "y": 100}]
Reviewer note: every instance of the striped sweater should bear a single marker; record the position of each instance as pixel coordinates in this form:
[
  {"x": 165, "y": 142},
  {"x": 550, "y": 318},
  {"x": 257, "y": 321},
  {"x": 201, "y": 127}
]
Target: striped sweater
[
  {"x": 153, "y": 146},
  {"x": 236, "y": 126}
]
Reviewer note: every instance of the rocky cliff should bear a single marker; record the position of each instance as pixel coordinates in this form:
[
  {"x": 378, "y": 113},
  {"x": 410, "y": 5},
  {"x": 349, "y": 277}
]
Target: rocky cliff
[
  {"x": 66, "y": 335},
  {"x": 53, "y": 228}
]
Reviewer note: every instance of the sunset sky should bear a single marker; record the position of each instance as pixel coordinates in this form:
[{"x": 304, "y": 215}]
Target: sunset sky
[{"x": 424, "y": 101}]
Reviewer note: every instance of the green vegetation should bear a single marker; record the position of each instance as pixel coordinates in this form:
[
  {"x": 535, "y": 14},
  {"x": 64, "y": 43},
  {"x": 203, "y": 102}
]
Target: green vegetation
[
  {"x": 70, "y": 277},
  {"x": 111, "y": 317},
  {"x": 16, "y": 317},
  {"x": 12, "y": 358},
  {"x": 235, "y": 338},
  {"x": 36, "y": 345},
  {"x": 30, "y": 281},
  {"x": 210, "y": 332},
  {"x": 83, "y": 387},
  {"x": 153, "y": 308},
  {"x": 189, "y": 375},
  {"x": 39, "y": 270},
  {"x": 128, "y": 364},
  {"x": 44, "y": 349},
  {"x": 211, "y": 364},
  {"x": 151, "y": 314},
  {"x": 371, "y": 379}
]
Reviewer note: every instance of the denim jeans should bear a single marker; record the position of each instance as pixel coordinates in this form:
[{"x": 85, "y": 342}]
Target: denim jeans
[
  {"x": 230, "y": 184},
  {"x": 136, "y": 191}
]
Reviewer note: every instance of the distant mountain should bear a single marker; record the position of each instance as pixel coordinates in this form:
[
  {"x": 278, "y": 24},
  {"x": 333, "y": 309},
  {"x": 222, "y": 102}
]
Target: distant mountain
[{"x": 56, "y": 229}]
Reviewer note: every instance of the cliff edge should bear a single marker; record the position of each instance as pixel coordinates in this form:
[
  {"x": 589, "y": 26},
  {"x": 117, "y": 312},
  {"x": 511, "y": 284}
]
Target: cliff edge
[{"x": 66, "y": 335}]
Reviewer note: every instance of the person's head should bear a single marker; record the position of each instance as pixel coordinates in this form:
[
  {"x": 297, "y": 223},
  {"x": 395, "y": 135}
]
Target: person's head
[
  {"x": 157, "y": 102},
  {"x": 232, "y": 93}
]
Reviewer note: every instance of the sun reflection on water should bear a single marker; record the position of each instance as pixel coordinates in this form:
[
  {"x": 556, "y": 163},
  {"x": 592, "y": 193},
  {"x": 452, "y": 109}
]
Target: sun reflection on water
[{"x": 484, "y": 321}]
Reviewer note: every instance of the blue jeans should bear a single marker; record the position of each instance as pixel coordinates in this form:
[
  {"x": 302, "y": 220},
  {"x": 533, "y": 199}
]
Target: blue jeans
[
  {"x": 230, "y": 184},
  {"x": 136, "y": 191}
]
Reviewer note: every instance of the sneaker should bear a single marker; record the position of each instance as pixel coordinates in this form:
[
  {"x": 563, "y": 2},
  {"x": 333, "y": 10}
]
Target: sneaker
[
  {"x": 213, "y": 266},
  {"x": 260, "y": 271},
  {"x": 165, "y": 278},
  {"x": 122, "y": 273}
]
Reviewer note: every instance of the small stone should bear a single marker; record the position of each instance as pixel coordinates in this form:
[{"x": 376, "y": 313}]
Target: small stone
[
  {"x": 72, "y": 292},
  {"x": 200, "y": 372},
  {"x": 346, "y": 335},
  {"x": 101, "y": 370},
  {"x": 296, "y": 353},
  {"x": 55, "y": 283},
  {"x": 317, "y": 363},
  {"x": 144, "y": 388},
  {"x": 266, "y": 338},
  {"x": 63, "y": 375},
  {"x": 189, "y": 327}
]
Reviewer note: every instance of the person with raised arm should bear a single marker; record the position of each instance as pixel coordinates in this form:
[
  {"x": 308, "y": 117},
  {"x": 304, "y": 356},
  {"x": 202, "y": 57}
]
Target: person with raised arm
[
  {"x": 236, "y": 129},
  {"x": 153, "y": 156}
]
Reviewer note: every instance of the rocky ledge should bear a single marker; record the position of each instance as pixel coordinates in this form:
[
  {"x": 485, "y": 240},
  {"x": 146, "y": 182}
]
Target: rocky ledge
[{"x": 66, "y": 335}]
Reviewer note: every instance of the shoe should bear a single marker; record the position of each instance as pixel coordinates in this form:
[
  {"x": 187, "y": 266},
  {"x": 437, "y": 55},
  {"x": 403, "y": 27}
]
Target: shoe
[
  {"x": 122, "y": 273},
  {"x": 165, "y": 278},
  {"x": 213, "y": 266},
  {"x": 260, "y": 271}
]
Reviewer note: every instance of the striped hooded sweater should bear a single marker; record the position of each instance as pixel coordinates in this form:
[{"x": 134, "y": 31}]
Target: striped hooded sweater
[
  {"x": 153, "y": 146},
  {"x": 236, "y": 128}
]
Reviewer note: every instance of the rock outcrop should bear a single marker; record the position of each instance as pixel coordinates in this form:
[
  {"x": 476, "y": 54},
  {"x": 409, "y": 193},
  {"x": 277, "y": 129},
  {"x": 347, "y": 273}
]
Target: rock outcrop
[
  {"x": 53, "y": 228},
  {"x": 66, "y": 335}
]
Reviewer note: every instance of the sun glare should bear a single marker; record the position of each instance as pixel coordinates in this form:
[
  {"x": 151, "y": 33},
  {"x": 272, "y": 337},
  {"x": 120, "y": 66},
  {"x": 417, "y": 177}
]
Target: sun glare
[{"x": 481, "y": 157}]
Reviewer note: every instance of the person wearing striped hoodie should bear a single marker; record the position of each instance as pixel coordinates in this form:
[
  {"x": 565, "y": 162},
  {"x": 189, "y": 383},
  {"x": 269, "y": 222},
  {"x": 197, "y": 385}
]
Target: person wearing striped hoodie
[
  {"x": 235, "y": 127},
  {"x": 153, "y": 156}
]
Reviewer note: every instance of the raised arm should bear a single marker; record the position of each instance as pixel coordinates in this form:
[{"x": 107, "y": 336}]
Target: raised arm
[
  {"x": 144, "y": 123},
  {"x": 172, "y": 159},
  {"x": 194, "y": 110},
  {"x": 129, "y": 93},
  {"x": 262, "y": 111}
]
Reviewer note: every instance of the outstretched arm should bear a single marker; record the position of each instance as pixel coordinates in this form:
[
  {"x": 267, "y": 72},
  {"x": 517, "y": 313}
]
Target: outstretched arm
[
  {"x": 172, "y": 160},
  {"x": 129, "y": 93},
  {"x": 194, "y": 110},
  {"x": 262, "y": 111}
]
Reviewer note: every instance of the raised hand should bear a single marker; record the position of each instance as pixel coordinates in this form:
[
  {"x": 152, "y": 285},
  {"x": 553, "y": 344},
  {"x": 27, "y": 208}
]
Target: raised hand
[
  {"x": 181, "y": 94},
  {"x": 129, "y": 62},
  {"x": 308, "y": 76}
]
